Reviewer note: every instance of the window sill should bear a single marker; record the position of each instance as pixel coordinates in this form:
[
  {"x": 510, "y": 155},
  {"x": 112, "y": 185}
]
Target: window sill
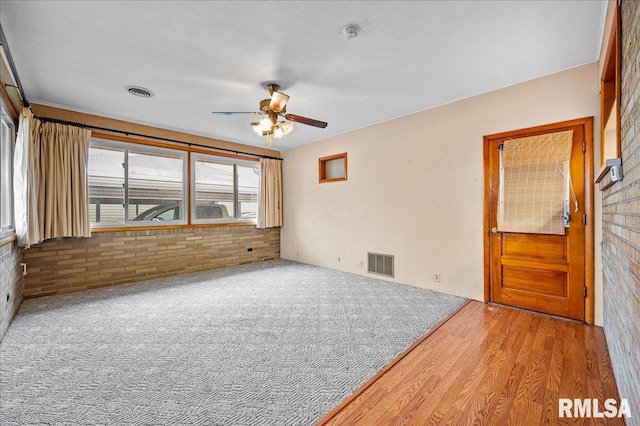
[
  {"x": 605, "y": 179},
  {"x": 606, "y": 167},
  {"x": 165, "y": 227},
  {"x": 8, "y": 240}
]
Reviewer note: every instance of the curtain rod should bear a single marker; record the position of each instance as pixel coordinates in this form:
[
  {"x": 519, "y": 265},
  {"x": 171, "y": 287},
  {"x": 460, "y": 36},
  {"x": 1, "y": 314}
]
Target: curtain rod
[
  {"x": 105, "y": 129},
  {"x": 12, "y": 66}
]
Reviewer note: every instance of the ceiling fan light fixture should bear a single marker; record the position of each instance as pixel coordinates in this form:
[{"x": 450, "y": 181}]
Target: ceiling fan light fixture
[
  {"x": 286, "y": 127},
  {"x": 271, "y": 109},
  {"x": 278, "y": 101},
  {"x": 282, "y": 129},
  {"x": 264, "y": 125}
]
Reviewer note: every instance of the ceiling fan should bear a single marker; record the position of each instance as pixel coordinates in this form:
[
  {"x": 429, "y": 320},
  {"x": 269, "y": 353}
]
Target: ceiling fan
[{"x": 273, "y": 108}]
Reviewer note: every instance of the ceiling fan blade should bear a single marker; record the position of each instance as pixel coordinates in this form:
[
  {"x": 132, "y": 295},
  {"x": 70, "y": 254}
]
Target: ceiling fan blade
[
  {"x": 305, "y": 120},
  {"x": 235, "y": 113}
]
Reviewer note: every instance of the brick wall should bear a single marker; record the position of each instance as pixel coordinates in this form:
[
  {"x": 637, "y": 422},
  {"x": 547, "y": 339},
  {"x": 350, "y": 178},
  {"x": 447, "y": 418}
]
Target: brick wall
[
  {"x": 621, "y": 227},
  {"x": 110, "y": 258},
  {"x": 11, "y": 285}
]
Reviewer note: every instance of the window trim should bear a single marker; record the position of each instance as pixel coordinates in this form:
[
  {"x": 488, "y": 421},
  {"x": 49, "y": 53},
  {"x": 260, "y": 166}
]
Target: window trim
[
  {"x": 7, "y": 233},
  {"x": 610, "y": 90},
  {"x": 322, "y": 168}
]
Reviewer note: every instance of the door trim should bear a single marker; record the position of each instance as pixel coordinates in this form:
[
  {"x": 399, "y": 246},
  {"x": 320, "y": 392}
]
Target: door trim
[{"x": 587, "y": 124}]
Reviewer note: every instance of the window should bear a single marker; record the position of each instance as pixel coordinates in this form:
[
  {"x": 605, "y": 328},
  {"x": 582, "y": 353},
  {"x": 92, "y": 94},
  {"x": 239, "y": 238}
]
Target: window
[
  {"x": 223, "y": 189},
  {"x": 136, "y": 185},
  {"x": 610, "y": 95},
  {"x": 535, "y": 191},
  {"x": 7, "y": 135},
  {"x": 332, "y": 168}
]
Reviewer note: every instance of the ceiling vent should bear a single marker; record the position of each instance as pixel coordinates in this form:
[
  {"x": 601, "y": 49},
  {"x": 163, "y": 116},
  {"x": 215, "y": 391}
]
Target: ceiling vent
[
  {"x": 139, "y": 91},
  {"x": 381, "y": 264},
  {"x": 351, "y": 31}
]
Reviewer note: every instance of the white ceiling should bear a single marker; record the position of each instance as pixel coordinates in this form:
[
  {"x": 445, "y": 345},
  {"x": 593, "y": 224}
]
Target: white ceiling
[{"x": 205, "y": 56}]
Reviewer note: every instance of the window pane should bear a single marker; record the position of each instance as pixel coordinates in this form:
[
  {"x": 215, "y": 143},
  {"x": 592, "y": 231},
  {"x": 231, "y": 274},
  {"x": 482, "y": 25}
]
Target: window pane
[
  {"x": 155, "y": 186},
  {"x": 6, "y": 173},
  {"x": 214, "y": 190},
  {"x": 248, "y": 183},
  {"x": 335, "y": 168},
  {"x": 106, "y": 185}
]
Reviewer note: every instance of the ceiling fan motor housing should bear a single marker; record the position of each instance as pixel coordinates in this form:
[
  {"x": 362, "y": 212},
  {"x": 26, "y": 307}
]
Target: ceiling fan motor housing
[{"x": 264, "y": 105}]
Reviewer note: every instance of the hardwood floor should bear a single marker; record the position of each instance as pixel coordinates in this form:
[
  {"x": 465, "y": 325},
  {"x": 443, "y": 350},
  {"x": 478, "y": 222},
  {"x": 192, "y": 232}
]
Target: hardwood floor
[{"x": 488, "y": 365}]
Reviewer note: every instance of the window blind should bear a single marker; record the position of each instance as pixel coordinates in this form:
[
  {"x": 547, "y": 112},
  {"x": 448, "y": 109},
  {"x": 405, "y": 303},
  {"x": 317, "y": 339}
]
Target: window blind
[{"x": 535, "y": 183}]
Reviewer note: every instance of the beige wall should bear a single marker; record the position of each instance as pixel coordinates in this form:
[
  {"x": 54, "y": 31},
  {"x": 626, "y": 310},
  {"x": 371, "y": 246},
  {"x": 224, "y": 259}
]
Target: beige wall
[{"x": 415, "y": 185}]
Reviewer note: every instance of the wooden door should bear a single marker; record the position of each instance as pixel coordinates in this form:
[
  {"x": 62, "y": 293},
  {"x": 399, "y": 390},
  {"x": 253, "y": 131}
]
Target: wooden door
[{"x": 542, "y": 272}]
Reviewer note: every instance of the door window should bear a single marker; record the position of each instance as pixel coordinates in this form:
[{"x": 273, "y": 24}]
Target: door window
[{"x": 535, "y": 192}]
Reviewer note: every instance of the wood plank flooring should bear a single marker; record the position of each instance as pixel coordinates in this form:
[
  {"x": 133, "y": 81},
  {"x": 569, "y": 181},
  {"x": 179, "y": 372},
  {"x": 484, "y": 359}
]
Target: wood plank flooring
[{"x": 488, "y": 365}]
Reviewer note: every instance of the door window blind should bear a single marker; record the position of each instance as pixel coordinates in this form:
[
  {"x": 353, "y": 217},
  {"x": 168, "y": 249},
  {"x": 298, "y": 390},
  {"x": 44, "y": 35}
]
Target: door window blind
[{"x": 535, "y": 183}]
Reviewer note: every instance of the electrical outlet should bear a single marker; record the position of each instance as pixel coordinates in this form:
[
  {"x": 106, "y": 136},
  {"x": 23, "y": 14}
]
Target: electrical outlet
[{"x": 436, "y": 277}]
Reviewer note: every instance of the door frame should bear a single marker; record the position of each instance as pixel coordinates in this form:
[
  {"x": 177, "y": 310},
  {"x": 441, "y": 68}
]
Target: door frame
[{"x": 587, "y": 124}]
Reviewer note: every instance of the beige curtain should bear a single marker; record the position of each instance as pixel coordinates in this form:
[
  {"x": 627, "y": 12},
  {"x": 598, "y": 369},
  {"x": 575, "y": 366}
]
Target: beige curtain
[
  {"x": 535, "y": 184},
  {"x": 63, "y": 199},
  {"x": 270, "y": 198},
  {"x": 25, "y": 172},
  {"x": 53, "y": 193}
]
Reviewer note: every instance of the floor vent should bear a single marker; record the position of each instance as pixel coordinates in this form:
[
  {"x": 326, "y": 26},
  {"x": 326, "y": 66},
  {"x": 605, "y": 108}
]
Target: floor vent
[{"x": 381, "y": 264}]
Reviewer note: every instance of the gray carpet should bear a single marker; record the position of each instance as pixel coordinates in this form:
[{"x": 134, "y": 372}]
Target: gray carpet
[{"x": 272, "y": 343}]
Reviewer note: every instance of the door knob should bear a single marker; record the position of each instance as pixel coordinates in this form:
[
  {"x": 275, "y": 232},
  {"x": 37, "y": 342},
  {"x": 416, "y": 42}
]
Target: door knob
[{"x": 495, "y": 230}]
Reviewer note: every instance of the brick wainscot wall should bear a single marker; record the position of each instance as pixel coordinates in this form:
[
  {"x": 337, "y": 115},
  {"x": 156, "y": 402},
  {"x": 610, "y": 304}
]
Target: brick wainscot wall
[
  {"x": 11, "y": 284},
  {"x": 65, "y": 265}
]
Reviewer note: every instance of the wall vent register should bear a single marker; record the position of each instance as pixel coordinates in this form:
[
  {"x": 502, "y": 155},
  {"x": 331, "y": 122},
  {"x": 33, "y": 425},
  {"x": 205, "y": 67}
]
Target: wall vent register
[{"x": 381, "y": 264}]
